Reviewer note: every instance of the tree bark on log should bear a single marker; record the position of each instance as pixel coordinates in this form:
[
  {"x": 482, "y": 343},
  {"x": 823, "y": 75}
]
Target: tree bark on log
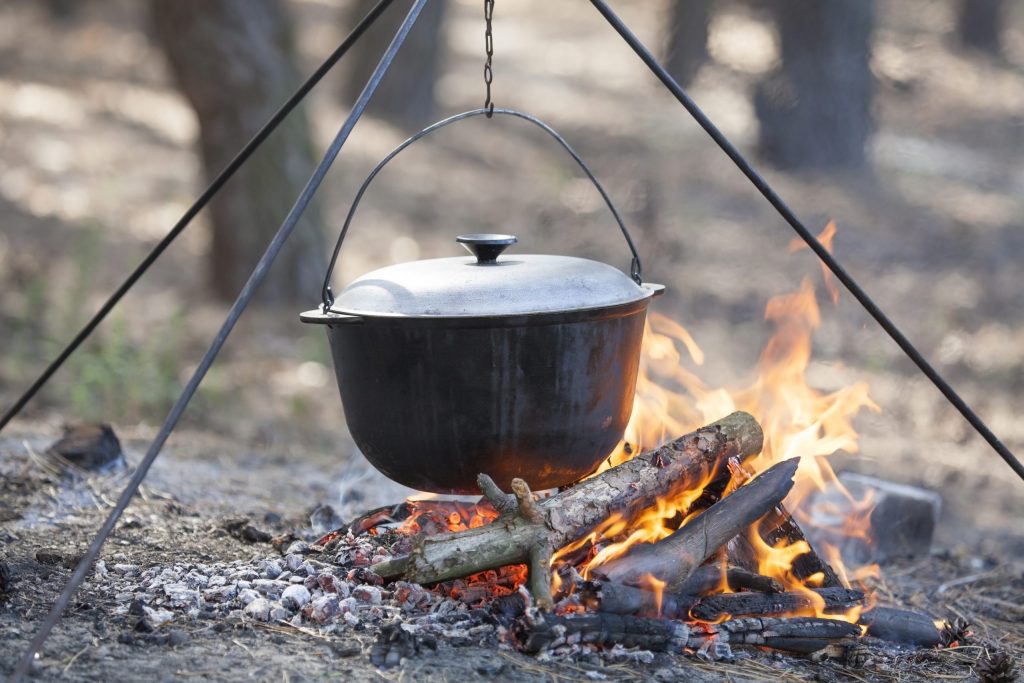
[
  {"x": 674, "y": 558},
  {"x": 533, "y": 531}
]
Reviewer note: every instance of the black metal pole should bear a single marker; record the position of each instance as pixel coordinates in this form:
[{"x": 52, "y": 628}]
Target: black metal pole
[
  {"x": 186, "y": 218},
  {"x": 776, "y": 201},
  {"x": 234, "y": 314}
]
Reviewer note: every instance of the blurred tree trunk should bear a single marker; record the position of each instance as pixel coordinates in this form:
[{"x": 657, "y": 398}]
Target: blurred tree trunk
[
  {"x": 406, "y": 95},
  {"x": 233, "y": 60},
  {"x": 815, "y": 109},
  {"x": 979, "y": 23},
  {"x": 687, "y": 46}
]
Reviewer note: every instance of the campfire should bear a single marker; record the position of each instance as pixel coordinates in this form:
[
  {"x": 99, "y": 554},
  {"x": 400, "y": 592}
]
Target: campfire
[{"x": 687, "y": 538}]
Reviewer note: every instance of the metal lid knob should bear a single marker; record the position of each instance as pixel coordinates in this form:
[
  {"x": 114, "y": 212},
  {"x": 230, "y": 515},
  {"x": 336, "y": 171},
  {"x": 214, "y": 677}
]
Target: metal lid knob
[{"x": 485, "y": 246}]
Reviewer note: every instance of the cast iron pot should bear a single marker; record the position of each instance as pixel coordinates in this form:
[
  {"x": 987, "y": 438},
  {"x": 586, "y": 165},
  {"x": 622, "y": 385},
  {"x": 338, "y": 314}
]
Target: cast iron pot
[{"x": 517, "y": 366}]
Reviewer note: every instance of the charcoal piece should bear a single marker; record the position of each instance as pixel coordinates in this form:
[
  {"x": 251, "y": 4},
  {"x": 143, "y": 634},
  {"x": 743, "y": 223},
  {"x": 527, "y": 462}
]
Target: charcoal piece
[
  {"x": 6, "y": 578},
  {"x": 395, "y": 644},
  {"x": 89, "y": 447},
  {"x": 244, "y": 531},
  {"x": 508, "y": 608},
  {"x": 901, "y": 626}
]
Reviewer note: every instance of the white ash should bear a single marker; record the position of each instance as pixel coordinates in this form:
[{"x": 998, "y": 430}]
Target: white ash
[{"x": 331, "y": 592}]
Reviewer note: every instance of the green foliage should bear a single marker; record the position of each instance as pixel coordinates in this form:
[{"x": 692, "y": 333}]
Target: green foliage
[{"x": 116, "y": 375}]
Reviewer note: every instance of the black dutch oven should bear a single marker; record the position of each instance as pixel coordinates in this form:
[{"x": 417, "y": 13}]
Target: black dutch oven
[{"x": 512, "y": 365}]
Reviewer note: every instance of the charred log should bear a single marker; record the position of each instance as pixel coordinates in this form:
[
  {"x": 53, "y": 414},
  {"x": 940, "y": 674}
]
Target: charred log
[
  {"x": 831, "y": 600},
  {"x": 539, "y": 631},
  {"x": 621, "y": 599},
  {"x": 674, "y": 558},
  {"x": 533, "y": 530},
  {"x": 708, "y": 579},
  {"x": 782, "y": 528},
  {"x": 901, "y": 626}
]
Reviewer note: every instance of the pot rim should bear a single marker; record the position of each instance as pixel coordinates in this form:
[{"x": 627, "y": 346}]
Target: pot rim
[{"x": 335, "y": 318}]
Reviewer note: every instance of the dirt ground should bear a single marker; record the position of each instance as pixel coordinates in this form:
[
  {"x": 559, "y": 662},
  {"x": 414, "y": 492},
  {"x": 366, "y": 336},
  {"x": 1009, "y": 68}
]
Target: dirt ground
[{"x": 97, "y": 162}]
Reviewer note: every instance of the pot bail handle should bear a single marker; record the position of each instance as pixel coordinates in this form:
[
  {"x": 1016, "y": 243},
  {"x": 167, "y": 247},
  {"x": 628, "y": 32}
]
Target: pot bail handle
[{"x": 635, "y": 268}]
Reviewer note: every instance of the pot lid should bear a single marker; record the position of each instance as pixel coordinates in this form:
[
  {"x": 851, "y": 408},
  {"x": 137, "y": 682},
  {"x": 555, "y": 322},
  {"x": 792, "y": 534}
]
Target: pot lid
[{"x": 489, "y": 284}]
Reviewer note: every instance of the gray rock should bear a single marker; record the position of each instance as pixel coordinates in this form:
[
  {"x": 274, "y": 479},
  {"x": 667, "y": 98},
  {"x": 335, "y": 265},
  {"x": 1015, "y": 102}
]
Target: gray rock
[
  {"x": 247, "y": 595},
  {"x": 322, "y": 609},
  {"x": 270, "y": 588},
  {"x": 259, "y": 609},
  {"x": 902, "y": 522},
  {"x": 271, "y": 569},
  {"x": 293, "y": 562},
  {"x": 295, "y": 596},
  {"x": 279, "y": 612},
  {"x": 297, "y": 548},
  {"x": 367, "y": 594}
]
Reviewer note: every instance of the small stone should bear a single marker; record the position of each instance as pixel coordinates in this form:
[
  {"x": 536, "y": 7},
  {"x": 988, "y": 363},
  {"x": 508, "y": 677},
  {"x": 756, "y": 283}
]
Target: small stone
[
  {"x": 297, "y": 548},
  {"x": 348, "y": 605},
  {"x": 269, "y": 588},
  {"x": 101, "y": 569},
  {"x": 279, "y": 613},
  {"x": 181, "y": 595},
  {"x": 259, "y": 609},
  {"x": 351, "y": 619},
  {"x": 177, "y": 637},
  {"x": 307, "y": 569},
  {"x": 311, "y": 583},
  {"x": 247, "y": 595},
  {"x": 298, "y": 579},
  {"x": 367, "y": 594},
  {"x": 220, "y": 593},
  {"x": 293, "y": 562},
  {"x": 295, "y": 596},
  {"x": 322, "y": 609},
  {"x": 271, "y": 569}
]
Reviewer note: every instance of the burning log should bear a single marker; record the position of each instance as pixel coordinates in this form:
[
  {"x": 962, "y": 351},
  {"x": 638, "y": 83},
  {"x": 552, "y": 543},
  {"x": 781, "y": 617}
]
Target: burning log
[
  {"x": 674, "y": 558},
  {"x": 782, "y": 528},
  {"x": 707, "y": 579},
  {"x": 629, "y": 600},
  {"x": 779, "y": 528},
  {"x": 531, "y": 531},
  {"x": 537, "y": 631},
  {"x": 833, "y": 600}
]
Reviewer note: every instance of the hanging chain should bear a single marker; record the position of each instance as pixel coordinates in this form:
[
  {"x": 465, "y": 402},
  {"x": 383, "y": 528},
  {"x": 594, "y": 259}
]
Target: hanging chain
[{"x": 489, "y": 49}]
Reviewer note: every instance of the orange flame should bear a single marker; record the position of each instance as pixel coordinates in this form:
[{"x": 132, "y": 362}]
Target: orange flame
[{"x": 798, "y": 421}]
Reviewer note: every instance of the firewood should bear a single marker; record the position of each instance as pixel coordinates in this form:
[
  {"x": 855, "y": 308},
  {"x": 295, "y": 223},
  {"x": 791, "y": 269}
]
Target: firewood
[
  {"x": 714, "y": 607},
  {"x": 540, "y": 631},
  {"x": 543, "y": 631},
  {"x": 532, "y": 531},
  {"x": 707, "y": 579},
  {"x": 901, "y": 626},
  {"x": 603, "y": 596},
  {"x": 674, "y": 558},
  {"x": 780, "y": 526}
]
